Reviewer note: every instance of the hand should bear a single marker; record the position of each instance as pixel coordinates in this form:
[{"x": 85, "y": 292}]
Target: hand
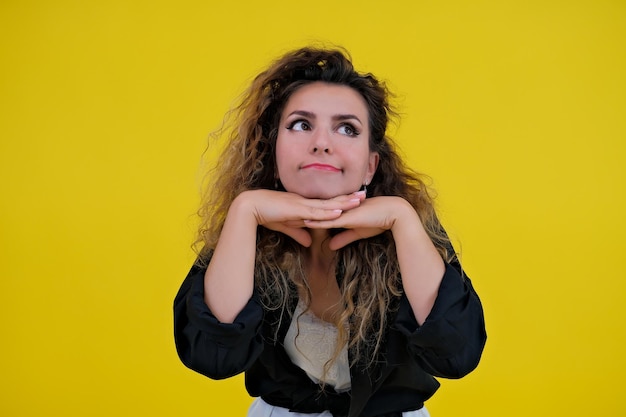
[
  {"x": 288, "y": 213},
  {"x": 372, "y": 217}
]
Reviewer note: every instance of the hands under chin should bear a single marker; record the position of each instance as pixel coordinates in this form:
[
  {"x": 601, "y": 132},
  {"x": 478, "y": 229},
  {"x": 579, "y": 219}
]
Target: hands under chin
[
  {"x": 298, "y": 217},
  {"x": 372, "y": 217},
  {"x": 288, "y": 213}
]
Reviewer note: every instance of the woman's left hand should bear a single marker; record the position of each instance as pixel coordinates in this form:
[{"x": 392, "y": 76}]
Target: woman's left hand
[
  {"x": 372, "y": 217},
  {"x": 421, "y": 265}
]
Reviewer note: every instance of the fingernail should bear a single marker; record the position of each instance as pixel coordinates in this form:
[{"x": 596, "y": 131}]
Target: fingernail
[
  {"x": 360, "y": 193},
  {"x": 354, "y": 200},
  {"x": 337, "y": 211}
]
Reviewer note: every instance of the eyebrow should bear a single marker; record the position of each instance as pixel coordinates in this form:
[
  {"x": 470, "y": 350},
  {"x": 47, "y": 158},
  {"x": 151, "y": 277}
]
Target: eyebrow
[{"x": 337, "y": 117}]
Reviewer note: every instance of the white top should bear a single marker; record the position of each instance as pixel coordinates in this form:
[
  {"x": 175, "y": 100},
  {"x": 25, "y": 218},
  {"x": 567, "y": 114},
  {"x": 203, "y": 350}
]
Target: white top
[{"x": 310, "y": 343}]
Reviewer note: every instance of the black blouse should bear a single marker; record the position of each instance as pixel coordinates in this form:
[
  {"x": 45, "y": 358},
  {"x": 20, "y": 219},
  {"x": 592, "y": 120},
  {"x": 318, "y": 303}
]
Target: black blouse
[{"x": 449, "y": 344}]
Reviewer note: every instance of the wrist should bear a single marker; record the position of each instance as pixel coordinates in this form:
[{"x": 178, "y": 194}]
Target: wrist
[
  {"x": 404, "y": 217},
  {"x": 408, "y": 227},
  {"x": 243, "y": 209}
]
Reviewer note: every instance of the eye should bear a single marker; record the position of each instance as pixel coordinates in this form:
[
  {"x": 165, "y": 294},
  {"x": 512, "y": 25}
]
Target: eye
[
  {"x": 348, "y": 130},
  {"x": 299, "y": 125}
]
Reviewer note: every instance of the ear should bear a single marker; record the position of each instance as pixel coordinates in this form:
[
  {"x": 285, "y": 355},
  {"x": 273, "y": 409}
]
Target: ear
[{"x": 372, "y": 166}]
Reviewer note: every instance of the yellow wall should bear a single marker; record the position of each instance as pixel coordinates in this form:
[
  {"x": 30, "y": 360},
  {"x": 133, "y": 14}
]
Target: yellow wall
[{"x": 515, "y": 108}]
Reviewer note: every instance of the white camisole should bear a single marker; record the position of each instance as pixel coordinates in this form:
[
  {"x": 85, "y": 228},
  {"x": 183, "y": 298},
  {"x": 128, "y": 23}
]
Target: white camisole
[{"x": 310, "y": 343}]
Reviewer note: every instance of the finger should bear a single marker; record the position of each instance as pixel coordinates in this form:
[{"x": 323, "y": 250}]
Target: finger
[
  {"x": 343, "y": 202},
  {"x": 302, "y": 236},
  {"x": 349, "y": 201},
  {"x": 359, "y": 195},
  {"x": 343, "y": 239},
  {"x": 346, "y": 219},
  {"x": 319, "y": 214},
  {"x": 352, "y": 235},
  {"x": 321, "y": 224}
]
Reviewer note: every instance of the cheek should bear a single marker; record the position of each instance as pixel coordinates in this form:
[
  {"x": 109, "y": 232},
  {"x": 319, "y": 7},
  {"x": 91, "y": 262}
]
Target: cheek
[
  {"x": 283, "y": 156},
  {"x": 362, "y": 160}
]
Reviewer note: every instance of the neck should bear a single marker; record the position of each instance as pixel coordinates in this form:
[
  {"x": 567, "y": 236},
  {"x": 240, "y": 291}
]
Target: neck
[{"x": 319, "y": 252}]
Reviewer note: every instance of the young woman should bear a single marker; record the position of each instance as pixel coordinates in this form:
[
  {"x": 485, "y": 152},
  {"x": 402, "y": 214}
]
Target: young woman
[{"x": 324, "y": 273}]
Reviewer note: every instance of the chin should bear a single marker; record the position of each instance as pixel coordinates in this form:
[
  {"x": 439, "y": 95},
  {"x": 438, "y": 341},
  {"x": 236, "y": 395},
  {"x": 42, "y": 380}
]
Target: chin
[
  {"x": 323, "y": 191},
  {"x": 323, "y": 194}
]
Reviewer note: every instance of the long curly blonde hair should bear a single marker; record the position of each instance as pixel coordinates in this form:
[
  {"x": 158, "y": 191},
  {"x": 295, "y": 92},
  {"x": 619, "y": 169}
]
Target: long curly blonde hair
[{"x": 367, "y": 270}]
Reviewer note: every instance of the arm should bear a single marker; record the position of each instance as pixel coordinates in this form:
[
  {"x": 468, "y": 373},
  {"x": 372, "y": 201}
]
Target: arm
[
  {"x": 444, "y": 319},
  {"x": 440, "y": 313},
  {"x": 421, "y": 265},
  {"x": 217, "y": 316},
  {"x": 451, "y": 340},
  {"x": 229, "y": 278},
  {"x": 217, "y": 350}
]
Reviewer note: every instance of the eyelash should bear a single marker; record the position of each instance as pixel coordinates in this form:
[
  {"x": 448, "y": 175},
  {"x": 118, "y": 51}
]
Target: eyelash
[
  {"x": 354, "y": 131},
  {"x": 291, "y": 125}
]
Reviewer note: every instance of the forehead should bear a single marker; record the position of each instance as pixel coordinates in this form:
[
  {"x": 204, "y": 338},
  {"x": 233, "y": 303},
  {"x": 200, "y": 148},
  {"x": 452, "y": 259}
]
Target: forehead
[{"x": 326, "y": 98}]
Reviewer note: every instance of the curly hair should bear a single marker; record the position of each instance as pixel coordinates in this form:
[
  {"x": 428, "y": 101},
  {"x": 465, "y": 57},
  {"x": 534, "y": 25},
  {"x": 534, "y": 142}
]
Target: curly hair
[{"x": 367, "y": 270}]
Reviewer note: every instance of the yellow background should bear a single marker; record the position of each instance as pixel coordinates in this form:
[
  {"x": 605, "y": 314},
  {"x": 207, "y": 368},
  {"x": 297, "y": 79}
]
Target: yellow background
[{"x": 515, "y": 108}]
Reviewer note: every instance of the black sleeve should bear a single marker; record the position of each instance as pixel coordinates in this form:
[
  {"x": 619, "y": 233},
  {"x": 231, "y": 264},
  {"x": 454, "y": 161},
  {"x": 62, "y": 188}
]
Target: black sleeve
[
  {"x": 451, "y": 340},
  {"x": 217, "y": 350}
]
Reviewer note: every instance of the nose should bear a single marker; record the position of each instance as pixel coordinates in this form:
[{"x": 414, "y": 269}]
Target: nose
[{"x": 321, "y": 142}]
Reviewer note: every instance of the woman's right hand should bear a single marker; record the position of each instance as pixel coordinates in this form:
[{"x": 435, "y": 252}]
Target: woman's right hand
[
  {"x": 286, "y": 212},
  {"x": 229, "y": 278}
]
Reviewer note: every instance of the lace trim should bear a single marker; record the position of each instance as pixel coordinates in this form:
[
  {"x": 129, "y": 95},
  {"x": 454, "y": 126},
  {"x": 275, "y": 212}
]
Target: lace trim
[{"x": 310, "y": 342}]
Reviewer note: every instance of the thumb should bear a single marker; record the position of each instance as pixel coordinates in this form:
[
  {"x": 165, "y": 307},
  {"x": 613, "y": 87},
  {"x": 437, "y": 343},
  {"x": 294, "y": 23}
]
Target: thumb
[
  {"x": 300, "y": 235},
  {"x": 342, "y": 239}
]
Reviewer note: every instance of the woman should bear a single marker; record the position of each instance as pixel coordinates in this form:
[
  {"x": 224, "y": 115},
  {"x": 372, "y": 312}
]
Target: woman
[{"x": 324, "y": 273}]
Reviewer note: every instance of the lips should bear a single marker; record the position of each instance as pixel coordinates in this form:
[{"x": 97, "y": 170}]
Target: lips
[{"x": 321, "y": 167}]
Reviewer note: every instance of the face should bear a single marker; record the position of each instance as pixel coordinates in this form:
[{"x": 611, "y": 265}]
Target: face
[{"x": 322, "y": 149}]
